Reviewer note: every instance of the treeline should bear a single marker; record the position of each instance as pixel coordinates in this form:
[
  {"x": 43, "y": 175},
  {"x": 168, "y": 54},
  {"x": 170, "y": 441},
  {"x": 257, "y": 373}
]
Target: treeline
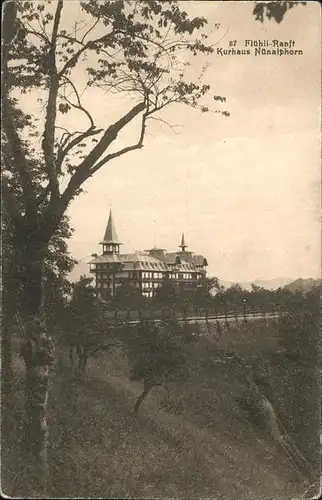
[
  {"x": 209, "y": 297},
  {"x": 87, "y": 324}
]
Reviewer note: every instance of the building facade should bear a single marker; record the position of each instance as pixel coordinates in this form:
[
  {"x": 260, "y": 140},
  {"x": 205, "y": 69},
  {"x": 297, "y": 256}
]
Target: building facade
[{"x": 144, "y": 270}]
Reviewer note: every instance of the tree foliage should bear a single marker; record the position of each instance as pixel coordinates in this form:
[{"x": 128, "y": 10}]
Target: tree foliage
[
  {"x": 156, "y": 355},
  {"x": 128, "y": 297},
  {"x": 273, "y": 10},
  {"x": 167, "y": 295},
  {"x": 298, "y": 368},
  {"x": 57, "y": 265},
  {"x": 299, "y": 329},
  {"x": 204, "y": 293},
  {"x": 86, "y": 330}
]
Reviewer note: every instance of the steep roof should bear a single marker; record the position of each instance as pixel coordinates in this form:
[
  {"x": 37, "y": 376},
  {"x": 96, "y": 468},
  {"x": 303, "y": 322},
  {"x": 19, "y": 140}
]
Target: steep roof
[
  {"x": 110, "y": 235},
  {"x": 132, "y": 261},
  {"x": 106, "y": 258},
  {"x": 200, "y": 260}
]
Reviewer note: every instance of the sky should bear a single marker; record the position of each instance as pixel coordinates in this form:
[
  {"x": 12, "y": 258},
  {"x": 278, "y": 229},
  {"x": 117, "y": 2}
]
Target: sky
[{"x": 245, "y": 190}]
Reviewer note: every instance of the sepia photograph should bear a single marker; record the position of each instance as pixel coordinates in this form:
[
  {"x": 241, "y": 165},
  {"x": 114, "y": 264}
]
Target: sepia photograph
[{"x": 161, "y": 249}]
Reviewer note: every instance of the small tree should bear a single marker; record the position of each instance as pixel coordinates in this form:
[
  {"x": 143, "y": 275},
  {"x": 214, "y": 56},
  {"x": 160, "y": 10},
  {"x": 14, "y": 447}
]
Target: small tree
[
  {"x": 167, "y": 297},
  {"x": 204, "y": 295},
  {"x": 129, "y": 297},
  {"x": 156, "y": 356},
  {"x": 86, "y": 330},
  {"x": 186, "y": 302},
  {"x": 234, "y": 296}
]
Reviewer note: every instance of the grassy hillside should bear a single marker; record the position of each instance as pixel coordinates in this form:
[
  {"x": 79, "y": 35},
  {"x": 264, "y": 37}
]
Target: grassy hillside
[{"x": 212, "y": 448}]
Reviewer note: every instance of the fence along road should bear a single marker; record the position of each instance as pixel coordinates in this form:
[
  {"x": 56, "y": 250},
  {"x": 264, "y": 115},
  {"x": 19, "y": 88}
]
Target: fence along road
[{"x": 222, "y": 318}]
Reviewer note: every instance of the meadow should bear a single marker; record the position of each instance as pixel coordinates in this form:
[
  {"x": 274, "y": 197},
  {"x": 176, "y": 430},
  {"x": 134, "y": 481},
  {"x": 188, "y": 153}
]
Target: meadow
[{"x": 210, "y": 447}]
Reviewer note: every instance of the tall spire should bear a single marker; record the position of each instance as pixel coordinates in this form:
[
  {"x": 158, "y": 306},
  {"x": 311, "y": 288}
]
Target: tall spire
[
  {"x": 111, "y": 242},
  {"x": 110, "y": 235},
  {"x": 183, "y": 245}
]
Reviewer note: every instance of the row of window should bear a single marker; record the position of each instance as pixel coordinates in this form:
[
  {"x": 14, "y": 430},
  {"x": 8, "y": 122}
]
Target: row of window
[
  {"x": 150, "y": 285},
  {"x": 180, "y": 276},
  {"x": 149, "y": 275}
]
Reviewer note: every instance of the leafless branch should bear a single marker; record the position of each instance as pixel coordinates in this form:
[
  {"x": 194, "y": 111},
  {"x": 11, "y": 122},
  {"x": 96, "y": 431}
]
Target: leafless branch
[
  {"x": 170, "y": 125},
  {"x": 31, "y": 31},
  {"x": 65, "y": 145},
  {"x": 73, "y": 60},
  {"x": 48, "y": 142},
  {"x": 79, "y": 104},
  {"x": 90, "y": 29},
  {"x": 125, "y": 150},
  {"x": 65, "y": 149},
  {"x": 64, "y": 129},
  {"x": 84, "y": 170}
]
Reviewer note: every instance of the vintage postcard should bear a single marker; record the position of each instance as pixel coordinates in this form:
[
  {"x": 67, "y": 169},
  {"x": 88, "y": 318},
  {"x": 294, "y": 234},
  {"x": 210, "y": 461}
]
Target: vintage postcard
[{"x": 161, "y": 249}]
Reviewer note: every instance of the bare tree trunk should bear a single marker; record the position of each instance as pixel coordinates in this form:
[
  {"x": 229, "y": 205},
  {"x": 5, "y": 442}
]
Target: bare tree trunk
[
  {"x": 82, "y": 362},
  {"x": 38, "y": 354},
  {"x": 207, "y": 321},
  {"x": 147, "y": 387},
  {"x": 72, "y": 357},
  {"x": 6, "y": 357}
]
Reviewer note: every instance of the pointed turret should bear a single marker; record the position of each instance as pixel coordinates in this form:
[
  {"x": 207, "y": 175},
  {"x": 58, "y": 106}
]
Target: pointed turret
[
  {"x": 183, "y": 245},
  {"x": 111, "y": 243}
]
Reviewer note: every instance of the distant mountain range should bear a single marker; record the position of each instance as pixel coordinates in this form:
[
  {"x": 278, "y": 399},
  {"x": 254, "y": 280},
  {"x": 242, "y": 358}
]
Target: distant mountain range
[
  {"x": 303, "y": 285},
  {"x": 298, "y": 285},
  {"x": 271, "y": 284}
]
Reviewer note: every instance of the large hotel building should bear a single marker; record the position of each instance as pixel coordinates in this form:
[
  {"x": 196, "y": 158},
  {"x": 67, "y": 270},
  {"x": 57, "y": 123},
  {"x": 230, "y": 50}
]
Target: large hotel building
[{"x": 145, "y": 270}]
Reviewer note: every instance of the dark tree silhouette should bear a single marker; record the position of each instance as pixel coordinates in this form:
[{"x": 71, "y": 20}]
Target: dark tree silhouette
[
  {"x": 135, "y": 50},
  {"x": 273, "y": 10}
]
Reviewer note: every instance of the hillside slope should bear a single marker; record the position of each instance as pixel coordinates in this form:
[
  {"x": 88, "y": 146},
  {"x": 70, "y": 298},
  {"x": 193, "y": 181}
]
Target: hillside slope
[{"x": 210, "y": 449}]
